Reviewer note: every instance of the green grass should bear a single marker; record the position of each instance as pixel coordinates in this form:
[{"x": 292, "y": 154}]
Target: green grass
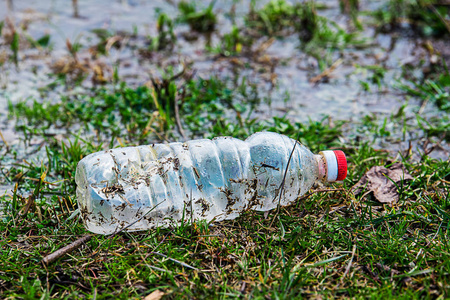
[
  {"x": 424, "y": 17},
  {"x": 396, "y": 251},
  {"x": 436, "y": 90},
  {"x": 319, "y": 37},
  {"x": 199, "y": 20},
  {"x": 166, "y": 39},
  {"x": 400, "y": 250},
  {"x": 331, "y": 243},
  {"x": 233, "y": 43}
]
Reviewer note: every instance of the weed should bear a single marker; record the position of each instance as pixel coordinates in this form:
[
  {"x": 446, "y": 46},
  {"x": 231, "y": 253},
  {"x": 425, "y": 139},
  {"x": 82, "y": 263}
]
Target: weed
[
  {"x": 139, "y": 112},
  {"x": 15, "y": 48},
  {"x": 109, "y": 114},
  {"x": 43, "y": 41},
  {"x": 212, "y": 102},
  {"x": 351, "y": 7},
  {"x": 70, "y": 69},
  {"x": 425, "y": 17},
  {"x": 233, "y": 43},
  {"x": 201, "y": 21},
  {"x": 276, "y": 18},
  {"x": 317, "y": 34},
  {"x": 166, "y": 38},
  {"x": 348, "y": 6},
  {"x": 74, "y": 48},
  {"x": 436, "y": 91},
  {"x": 320, "y": 36},
  {"x": 375, "y": 77},
  {"x": 107, "y": 40},
  {"x": 435, "y": 127}
]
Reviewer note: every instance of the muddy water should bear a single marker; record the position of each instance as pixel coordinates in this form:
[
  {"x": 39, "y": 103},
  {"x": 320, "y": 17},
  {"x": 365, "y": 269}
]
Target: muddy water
[{"x": 340, "y": 97}]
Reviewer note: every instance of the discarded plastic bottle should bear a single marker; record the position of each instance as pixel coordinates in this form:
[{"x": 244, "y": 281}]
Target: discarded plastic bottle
[{"x": 149, "y": 186}]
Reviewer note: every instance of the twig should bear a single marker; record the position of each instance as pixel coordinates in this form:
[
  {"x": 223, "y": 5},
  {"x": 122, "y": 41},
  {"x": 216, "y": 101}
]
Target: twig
[
  {"x": 177, "y": 261},
  {"x": 4, "y": 141},
  {"x": 75, "y": 9},
  {"x": 67, "y": 249},
  {"x": 280, "y": 188},
  {"x": 158, "y": 269}
]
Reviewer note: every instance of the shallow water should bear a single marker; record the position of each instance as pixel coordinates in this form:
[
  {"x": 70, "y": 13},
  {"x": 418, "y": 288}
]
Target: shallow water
[{"x": 341, "y": 97}]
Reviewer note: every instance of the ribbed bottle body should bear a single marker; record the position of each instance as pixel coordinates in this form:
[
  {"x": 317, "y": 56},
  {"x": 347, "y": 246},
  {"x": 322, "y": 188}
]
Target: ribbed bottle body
[{"x": 200, "y": 179}]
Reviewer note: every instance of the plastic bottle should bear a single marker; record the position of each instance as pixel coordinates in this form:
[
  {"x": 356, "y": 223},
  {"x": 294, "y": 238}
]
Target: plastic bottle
[{"x": 149, "y": 186}]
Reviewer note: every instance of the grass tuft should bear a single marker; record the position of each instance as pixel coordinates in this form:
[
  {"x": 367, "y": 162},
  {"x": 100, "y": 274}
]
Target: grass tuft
[{"x": 199, "y": 20}]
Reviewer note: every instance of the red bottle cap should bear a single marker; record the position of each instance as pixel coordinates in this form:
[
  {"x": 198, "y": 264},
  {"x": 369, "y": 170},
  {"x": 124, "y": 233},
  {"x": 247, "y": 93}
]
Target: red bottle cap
[{"x": 341, "y": 164}]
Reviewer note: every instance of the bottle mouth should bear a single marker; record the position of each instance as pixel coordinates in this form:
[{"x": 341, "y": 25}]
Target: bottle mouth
[{"x": 335, "y": 165}]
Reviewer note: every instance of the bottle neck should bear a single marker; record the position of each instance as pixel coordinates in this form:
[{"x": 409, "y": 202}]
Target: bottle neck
[{"x": 321, "y": 167}]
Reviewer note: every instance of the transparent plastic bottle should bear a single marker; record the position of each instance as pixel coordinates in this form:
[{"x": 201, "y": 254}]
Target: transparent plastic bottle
[{"x": 217, "y": 179}]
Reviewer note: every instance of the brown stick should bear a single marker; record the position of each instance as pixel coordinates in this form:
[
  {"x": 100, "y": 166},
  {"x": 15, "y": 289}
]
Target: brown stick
[
  {"x": 75, "y": 9},
  {"x": 4, "y": 141},
  {"x": 67, "y": 249}
]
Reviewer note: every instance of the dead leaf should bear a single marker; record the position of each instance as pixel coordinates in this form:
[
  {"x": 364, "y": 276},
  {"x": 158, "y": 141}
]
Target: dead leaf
[
  {"x": 155, "y": 295},
  {"x": 383, "y": 182}
]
